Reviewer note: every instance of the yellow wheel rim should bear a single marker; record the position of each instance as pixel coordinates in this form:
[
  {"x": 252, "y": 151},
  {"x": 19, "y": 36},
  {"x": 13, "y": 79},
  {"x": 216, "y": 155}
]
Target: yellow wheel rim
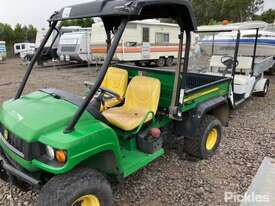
[
  {"x": 87, "y": 200},
  {"x": 211, "y": 139}
]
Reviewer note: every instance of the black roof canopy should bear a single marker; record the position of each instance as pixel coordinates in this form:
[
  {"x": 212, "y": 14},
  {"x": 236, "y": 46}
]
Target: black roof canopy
[{"x": 111, "y": 11}]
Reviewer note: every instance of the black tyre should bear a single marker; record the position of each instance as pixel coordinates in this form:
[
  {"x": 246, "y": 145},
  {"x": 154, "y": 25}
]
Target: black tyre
[
  {"x": 265, "y": 91},
  {"x": 161, "y": 62},
  {"x": 138, "y": 63},
  {"x": 82, "y": 186},
  {"x": 169, "y": 61},
  {"x": 207, "y": 139}
]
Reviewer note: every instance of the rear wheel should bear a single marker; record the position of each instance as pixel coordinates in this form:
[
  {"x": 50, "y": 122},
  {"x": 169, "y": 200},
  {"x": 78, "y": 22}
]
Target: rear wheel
[
  {"x": 265, "y": 90},
  {"x": 207, "y": 139},
  {"x": 170, "y": 61},
  {"x": 81, "y": 187},
  {"x": 160, "y": 62}
]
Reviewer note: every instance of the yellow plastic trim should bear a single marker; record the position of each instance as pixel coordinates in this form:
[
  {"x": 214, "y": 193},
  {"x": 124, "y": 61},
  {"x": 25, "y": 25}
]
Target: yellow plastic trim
[
  {"x": 212, "y": 139},
  {"x": 87, "y": 200}
]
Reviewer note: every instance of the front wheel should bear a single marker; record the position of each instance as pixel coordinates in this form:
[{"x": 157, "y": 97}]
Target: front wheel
[
  {"x": 82, "y": 186},
  {"x": 207, "y": 138},
  {"x": 265, "y": 90}
]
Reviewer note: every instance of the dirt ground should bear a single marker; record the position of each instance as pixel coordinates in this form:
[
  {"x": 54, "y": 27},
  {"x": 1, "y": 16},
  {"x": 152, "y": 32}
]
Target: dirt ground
[{"x": 172, "y": 179}]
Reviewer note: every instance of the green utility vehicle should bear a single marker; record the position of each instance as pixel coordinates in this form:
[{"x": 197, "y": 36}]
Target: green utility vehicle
[{"x": 69, "y": 147}]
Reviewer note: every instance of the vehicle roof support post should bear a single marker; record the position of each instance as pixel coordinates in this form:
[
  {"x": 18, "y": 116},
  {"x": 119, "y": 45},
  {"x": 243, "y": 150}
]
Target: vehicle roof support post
[
  {"x": 180, "y": 78},
  {"x": 213, "y": 44},
  {"x": 100, "y": 77},
  {"x": 236, "y": 58},
  {"x": 34, "y": 59},
  {"x": 108, "y": 40},
  {"x": 173, "y": 107},
  {"x": 54, "y": 40},
  {"x": 255, "y": 51}
]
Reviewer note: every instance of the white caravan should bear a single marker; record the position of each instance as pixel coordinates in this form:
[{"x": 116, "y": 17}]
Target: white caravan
[
  {"x": 75, "y": 46},
  {"x": 3, "y": 50},
  {"x": 144, "y": 41},
  {"x": 246, "y": 69},
  {"x": 23, "y": 48}
]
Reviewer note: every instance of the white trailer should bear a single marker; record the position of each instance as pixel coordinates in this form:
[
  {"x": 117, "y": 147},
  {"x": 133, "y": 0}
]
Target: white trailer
[
  {"x": 75, "y": 46},
  {"x": 23, "y": 48},
  {"x": 144, "y": 41},
  {"x": 3, "y": 51}
]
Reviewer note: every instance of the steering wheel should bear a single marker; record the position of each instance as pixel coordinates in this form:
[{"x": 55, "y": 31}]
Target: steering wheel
[
  {"x": 228, "y": 61},
  {"x": 108, "y": 94}
]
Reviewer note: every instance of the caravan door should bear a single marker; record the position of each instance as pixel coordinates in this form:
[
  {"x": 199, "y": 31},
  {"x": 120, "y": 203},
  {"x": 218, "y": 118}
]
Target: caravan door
[{"x": 146, "y": 46}]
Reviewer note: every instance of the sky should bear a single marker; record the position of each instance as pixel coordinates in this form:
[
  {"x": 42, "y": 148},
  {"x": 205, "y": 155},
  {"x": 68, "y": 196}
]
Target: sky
[{"x": 36, "y": 12}]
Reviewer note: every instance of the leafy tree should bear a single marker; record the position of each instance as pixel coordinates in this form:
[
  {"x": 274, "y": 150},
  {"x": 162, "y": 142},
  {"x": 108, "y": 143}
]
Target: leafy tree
[
  {"x": 218, "y": 10},
  {"x": 86, "y": 22},
  {"x": 267, "y": 16}
]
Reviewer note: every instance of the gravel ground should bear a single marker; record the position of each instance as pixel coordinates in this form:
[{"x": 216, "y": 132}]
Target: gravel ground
[{"x": 172, "y": 179}]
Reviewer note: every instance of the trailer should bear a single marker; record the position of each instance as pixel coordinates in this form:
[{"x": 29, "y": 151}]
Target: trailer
[
  {"x": 145, "y": 42},
  {"x": 75, "y": 46},
  {"x": 220, "y": 55},
  {"x": 23, "y": 49},
  {"x": 3, "y": 51}
]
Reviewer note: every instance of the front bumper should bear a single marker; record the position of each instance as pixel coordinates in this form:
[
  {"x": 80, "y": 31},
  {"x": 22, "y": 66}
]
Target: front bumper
[{"x": 13, "y": 171}]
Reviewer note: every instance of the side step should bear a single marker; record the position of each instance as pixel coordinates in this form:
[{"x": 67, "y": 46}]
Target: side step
[{"x": 262, "y": 190}]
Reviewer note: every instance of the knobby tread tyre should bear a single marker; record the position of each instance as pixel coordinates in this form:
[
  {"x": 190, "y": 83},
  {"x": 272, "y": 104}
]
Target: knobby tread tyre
[{"x": 64, "y": 190}]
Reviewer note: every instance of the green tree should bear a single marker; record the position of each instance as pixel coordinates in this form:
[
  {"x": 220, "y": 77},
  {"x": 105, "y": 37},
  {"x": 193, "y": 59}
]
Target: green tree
[
  {"x": 86, "y": 22},
  {"x": 31, "y": 33},
  {"x": 218, "y": 10},
  {"x": 267, "y": 16}
]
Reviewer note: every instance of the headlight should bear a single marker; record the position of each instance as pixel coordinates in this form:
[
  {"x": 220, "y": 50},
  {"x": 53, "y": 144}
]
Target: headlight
[{"x": 50, "y": 152}]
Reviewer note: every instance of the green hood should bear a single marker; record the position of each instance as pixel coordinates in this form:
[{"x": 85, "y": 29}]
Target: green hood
[{"x": 38, "y": 113}]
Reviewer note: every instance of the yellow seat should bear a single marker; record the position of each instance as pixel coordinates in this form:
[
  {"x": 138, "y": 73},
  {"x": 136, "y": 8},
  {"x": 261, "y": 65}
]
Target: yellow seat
[
  {"x": 115, "y": 80},
  {"x": 142, "y": 96}
]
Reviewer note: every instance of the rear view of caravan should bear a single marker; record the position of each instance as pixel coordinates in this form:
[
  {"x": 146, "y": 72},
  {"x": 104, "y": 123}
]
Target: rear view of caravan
[
  {"x": 75, "y": 46},
  {"x": 144, "y": 42}
]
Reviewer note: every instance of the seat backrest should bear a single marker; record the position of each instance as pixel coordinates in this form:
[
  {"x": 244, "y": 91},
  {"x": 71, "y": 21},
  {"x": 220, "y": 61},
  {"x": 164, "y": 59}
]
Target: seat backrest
[
  {"x": 143, "y": 94},
  {"x": 116, "y": 80},
  {"x": 245, "y": 63}
]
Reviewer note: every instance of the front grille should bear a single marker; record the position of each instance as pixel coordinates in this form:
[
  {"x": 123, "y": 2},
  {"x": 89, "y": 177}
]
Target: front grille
[
  {"x": 68, "y": 49},
  {"x": 26, "y": 150},
  {"x": 17, "y": 143}
]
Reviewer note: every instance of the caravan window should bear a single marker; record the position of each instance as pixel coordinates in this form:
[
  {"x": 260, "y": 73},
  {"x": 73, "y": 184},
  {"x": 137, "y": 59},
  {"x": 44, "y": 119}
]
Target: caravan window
[
  {"x": 162, "y": 38},
  {"x": 17, "y": 47},
  {"x": 130, "y": 44},
  {"x": 23, "y": 46},
  {"x": 145, "y": 35}
]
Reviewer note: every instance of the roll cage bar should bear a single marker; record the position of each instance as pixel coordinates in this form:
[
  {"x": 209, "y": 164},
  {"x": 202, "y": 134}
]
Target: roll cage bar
[{"x": 115, "y": 16}]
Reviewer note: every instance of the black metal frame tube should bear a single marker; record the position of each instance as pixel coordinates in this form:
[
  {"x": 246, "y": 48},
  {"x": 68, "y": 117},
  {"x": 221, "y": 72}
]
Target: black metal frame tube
[
  {"x": 177, "y": 75},
  {"x": 255, "y": 51},
  {"x": 235, "y": 59},
  {"x": 100, "y": 78},
  {"x": 183, "y": 75},
  {"x": 34, "y": 59}
]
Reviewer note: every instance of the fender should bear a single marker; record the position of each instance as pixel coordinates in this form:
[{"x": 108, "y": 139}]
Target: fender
[
  {"x": 259, "y": 87},
  {"x": 192, "y": 119}
]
